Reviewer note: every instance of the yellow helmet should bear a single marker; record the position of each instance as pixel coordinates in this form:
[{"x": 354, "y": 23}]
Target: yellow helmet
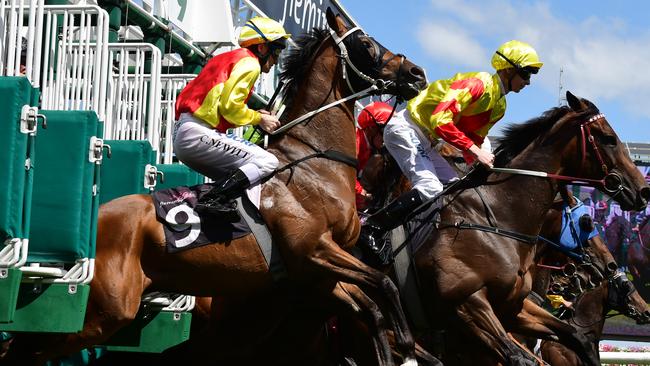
[
  {"x": 516, "y": 54},
  {"x": 261, "y": 30}
]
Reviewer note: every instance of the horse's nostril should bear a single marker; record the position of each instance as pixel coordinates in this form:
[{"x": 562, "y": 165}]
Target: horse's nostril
[
  {"x": 645, "y": 193},
  {"x": 417, "y": 71}
]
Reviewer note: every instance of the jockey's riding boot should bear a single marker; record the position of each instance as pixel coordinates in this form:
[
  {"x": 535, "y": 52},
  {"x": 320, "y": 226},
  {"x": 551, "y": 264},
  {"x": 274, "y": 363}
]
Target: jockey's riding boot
[
  {"x": 378, "y": 253},
  {"x": 219, "y": 200}
]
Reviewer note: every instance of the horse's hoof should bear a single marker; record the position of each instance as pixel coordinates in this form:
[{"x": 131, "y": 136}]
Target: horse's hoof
[{"x": 410, "y": 362}]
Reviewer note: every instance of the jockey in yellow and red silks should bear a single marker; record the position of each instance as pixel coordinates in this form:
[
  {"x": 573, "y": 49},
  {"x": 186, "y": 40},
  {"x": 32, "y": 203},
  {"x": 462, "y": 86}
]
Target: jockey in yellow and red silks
[
  {"x": 215, "y": 101},
  {"x": 460, "y": 110}
]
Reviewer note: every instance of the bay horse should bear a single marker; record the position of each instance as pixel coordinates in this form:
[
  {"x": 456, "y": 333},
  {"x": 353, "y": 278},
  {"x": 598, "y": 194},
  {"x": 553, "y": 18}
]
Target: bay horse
[
  {"x": 618, "y": 237},
  {"x": 476, "y": 267},
  {"x": 551, "y": 264},
  {"x": 591, "y": 306},
  {"x": 309, "y": 210},
  {"x": 638, "y": 251},
  {"x": 590, "y": 310}
]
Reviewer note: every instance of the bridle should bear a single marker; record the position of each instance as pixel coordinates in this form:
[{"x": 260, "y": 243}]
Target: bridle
[
  {"x": 619, "y": 289},
  {"x": 611, "y": 182},
  {"x": 379, "y": 55},
  {"x": 376, "y": 86}
]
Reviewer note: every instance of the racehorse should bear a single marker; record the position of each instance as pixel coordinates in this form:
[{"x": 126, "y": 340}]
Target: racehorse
[
  {"x": 591, "y": 306},
  {"x": 590, "y": 310},
  {"x": 309, "y": 209},
  {"x": 476, "y": 266},
  {"x": 554, "y": 270},
  {"x": 638, "y": 251},
  {"x": 618, "y": 235}
]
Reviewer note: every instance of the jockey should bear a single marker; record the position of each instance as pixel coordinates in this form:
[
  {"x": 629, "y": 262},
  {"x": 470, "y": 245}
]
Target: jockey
[
  {"x": 371, "y": 120},
  {"x": 460, "y": 110},
  {"x": 214, "y": 102}
]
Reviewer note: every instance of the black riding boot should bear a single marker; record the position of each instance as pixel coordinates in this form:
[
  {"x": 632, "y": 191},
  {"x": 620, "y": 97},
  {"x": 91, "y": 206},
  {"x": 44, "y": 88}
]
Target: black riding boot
[
  {"x": 376, "y": 250},
  {"x": 219, "y": 200}
]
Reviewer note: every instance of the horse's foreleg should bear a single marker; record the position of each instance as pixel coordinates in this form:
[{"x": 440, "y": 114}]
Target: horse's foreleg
[
  {"x": 477, "y": 314},
  {"x": 357, "y": 301},
  {"x": 537, "y": 322},
  {"x": 347, "y": 268}
]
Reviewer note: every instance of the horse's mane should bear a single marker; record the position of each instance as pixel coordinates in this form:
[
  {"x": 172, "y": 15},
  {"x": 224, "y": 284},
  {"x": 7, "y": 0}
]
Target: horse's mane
[
  {"x": 297, "y": 61},
  {"x": 516, "y": 137}
]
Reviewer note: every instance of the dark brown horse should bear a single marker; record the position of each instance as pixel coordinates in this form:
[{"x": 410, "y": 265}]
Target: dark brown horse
[
  {"x": 310, "y": 211},
  {"x": 590, "y": 310},
  {"x": 548, "y": 261},
  {"x": 618, "y": 235},
  {"x": 615, "y": 292},
  {"x": 480, "y": 276}
]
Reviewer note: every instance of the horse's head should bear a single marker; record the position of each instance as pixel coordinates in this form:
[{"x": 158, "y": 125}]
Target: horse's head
[
  {"x": 623, "y": 297},
  {"x": 601, "y": 156},
  {"x": 368, "y": 62}
]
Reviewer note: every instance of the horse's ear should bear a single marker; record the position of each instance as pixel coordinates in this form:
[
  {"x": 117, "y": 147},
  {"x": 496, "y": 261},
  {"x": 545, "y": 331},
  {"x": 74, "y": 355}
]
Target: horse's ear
[
  {"x": 335, "y": 22},
  {"x": 574, "y": 102}
]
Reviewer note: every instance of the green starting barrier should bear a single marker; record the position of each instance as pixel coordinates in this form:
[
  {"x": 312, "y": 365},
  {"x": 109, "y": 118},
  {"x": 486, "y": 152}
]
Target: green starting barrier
[
  {"x": 178, "y": 175},
  {"x": 60, "y": 263},
  {"x": 154, "y": 329},
  {"x": 130, "y": 169},
  {"x": 17, "y": 136},
  {"x": 164, "y": 319}
]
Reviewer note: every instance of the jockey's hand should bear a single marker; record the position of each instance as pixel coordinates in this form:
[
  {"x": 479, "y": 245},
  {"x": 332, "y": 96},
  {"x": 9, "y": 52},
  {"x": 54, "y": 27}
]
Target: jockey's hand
[
  {"x": 484, "y": 157},
  {"x": 269, "y": 122}
]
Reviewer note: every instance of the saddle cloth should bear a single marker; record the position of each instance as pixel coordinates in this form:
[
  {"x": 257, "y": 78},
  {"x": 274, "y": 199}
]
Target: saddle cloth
[{"x": 185, "y": 228}]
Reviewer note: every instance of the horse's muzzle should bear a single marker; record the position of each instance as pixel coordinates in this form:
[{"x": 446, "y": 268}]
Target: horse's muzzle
[
  {"x": 644, "y": 195},
  {"x": 643, "y": 318},
  {"x": 411, "y": 83}
]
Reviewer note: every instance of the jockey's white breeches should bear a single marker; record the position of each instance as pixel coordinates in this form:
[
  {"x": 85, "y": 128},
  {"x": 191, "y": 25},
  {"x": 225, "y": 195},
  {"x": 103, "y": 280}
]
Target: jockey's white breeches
[
  {"x": 416, "y": 156},
  {"x": 215, "y": 154}
]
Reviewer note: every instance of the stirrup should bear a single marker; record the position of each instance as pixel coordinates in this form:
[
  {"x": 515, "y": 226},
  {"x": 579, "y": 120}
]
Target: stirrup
[
  {"x": 377, "y": 252},
  {"x": 227, "y": 209}
]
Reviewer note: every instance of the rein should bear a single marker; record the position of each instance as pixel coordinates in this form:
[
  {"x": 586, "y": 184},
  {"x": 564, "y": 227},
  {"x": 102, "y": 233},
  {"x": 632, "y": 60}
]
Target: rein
[
  {"x": 327, "y": 154},
  {"x": 612, "y": 190},
  {"x": 375, "y": 84}
]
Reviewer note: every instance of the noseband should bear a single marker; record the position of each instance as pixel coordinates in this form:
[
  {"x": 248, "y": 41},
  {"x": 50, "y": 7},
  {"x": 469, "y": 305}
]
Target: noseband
[
  {"x": 377, "y": 86},
  {"x": 379, "y": 55},
  {"x": 612, "y": 182}
]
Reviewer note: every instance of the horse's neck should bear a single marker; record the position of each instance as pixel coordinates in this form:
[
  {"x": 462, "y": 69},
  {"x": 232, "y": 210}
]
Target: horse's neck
[
  {"x": 331, "y": 129},
  {"x": 529, "y": 197}
]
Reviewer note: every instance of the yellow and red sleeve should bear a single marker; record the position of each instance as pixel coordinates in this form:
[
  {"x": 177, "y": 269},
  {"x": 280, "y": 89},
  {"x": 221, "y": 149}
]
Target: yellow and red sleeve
[{"x": 461, "y": 94}]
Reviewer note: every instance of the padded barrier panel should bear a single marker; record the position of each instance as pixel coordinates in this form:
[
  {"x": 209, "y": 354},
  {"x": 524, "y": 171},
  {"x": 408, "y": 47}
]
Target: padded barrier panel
[
  {"x": 123, "y": 173},
  {"x": 178, "y": 175},
  {"x": 16, "y": 181},
  {"x": 64, "y": 211}
]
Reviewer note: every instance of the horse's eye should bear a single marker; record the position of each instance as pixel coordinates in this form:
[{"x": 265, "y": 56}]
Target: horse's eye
[{"x": 608, "y": 140}]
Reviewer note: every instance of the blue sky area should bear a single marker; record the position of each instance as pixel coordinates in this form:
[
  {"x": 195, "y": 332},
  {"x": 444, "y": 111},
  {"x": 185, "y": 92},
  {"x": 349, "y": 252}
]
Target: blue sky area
[{"x": 602, "y": 47}]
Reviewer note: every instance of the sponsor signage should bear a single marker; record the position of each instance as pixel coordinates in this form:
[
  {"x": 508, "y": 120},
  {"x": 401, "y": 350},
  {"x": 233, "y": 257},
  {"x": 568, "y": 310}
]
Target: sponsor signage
[{"x": 299, "y": 16}]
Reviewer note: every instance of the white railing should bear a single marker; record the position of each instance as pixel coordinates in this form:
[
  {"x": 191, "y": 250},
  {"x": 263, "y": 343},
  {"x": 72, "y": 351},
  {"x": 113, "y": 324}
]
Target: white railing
[
  {"x": 172, "y": 84},
  {"x": 625, "y": 358},
  {"x": 21, "y": 26},
  {"x": 134, "y": 93},
  {"x": 75, "y": 62}
]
